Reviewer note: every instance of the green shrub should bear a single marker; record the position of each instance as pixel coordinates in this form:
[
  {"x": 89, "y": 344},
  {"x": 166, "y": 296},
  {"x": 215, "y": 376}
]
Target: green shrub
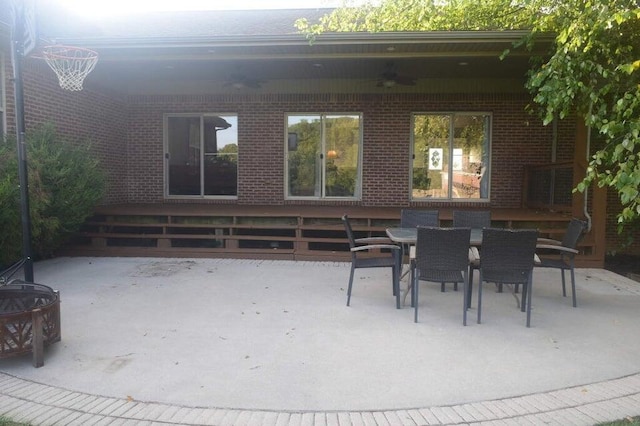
[{"x": 65, "y": 184}]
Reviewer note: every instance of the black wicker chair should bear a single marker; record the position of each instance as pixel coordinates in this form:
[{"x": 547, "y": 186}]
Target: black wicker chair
[
  {"x": 508, "y": 258},
  {"x": 442, "y": 255},
  {"x": 360, "y": 246},
  {"x": 472, "y": 219},
  {"x": 567, "y": 251},
  {"x": 411, "y": 218},
  {"x": 477, "y": 219}
]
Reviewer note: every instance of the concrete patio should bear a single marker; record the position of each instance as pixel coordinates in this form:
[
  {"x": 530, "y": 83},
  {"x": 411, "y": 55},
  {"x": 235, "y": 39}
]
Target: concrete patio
[{"x": 274, "y": 339}]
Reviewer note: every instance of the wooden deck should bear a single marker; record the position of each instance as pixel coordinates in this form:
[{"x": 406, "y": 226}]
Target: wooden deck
[{"x": 267, "y": 232}]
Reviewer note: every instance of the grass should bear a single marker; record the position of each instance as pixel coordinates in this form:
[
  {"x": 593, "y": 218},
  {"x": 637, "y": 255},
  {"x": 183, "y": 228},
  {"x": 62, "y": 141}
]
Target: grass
[
  {"x": 7, "y": 422},
  {"x": 627, "y": 421}
]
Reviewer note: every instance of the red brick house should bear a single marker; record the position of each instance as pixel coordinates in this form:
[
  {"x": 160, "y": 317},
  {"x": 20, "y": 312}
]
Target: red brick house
[{"x": 226, "y": 133}]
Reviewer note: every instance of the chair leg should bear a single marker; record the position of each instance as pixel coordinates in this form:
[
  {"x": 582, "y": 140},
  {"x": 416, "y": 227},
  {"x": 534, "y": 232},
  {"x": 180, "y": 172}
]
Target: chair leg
[
  {"x": 465, "y": 297},
  {"x": 396, "y": 284},
  {"x": 564, "y": 289},
  {"x": 442, "y": 287},
  {"x": 529, "y": 287},
  {"x": 480, "y": 297},
  {"x": 397, "y": 271},
  {"x": 470, "y": 292},
  {"x": 416, "y": 282},
  {"x": 350, "y": 285},
  {"x": 573, "y": 287},
  {"x": 525, "y": 292},
  {"x": 455, "y": 286},
  {"x": 412, "y": 283}
]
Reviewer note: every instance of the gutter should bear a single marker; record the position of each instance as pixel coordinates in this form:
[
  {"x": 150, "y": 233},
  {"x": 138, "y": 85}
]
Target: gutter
[{"x": 328, "y": 39}]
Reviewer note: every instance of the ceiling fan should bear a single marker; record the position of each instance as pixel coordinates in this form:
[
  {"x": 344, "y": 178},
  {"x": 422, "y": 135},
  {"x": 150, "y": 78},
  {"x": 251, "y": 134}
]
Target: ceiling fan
[
  {"x": 241, "y": 81},
  {"x": 390, "y": 77}
]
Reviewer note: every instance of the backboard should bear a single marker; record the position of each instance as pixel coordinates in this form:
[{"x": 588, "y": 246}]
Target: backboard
[{"x": 23, "y": 16}]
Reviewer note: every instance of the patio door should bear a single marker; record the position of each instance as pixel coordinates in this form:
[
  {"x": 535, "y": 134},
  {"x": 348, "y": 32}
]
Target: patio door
[
  {"x": 323, "y": 155},
  {"x": 451, "y": 156},
  {"x": 201, "y": 153}
]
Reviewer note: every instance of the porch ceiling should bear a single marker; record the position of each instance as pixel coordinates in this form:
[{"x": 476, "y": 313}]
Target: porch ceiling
[
  {"x": 152, "y": 53},
  {"x": 280, "y": 65}
]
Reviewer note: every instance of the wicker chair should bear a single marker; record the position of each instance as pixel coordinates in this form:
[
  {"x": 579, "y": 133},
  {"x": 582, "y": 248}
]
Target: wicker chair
[
  {"x": 360, "y": 246},
  {"x": 477, "y": 219},
  {"x": 508, "y": 258},
  {"x": 411, "y": 218},
  {"x": 472, "y": 219},
  {"x": 567, "y": 251},
  {"x": 441, "y": 256}
]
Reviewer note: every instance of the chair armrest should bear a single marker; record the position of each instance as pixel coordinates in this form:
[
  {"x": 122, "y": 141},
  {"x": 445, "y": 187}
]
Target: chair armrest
[
  {"x": 558, "y": 248},
  {"x": 474, "y": 255},
  {"x": 549, "y": 241},
  {"x": 374, "y": 240},
  {"x": 376, "y": 246}
]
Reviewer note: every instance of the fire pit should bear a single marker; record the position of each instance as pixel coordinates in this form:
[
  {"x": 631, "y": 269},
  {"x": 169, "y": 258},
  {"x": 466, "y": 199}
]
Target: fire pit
[{"x": 29, "y": 318}]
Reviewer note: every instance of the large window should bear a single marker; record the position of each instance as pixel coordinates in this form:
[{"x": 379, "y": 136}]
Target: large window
[
  {"x": 201, "y": 152},
  {"x": 323, "y": 155},
  {"x": 451, "y": 156}
]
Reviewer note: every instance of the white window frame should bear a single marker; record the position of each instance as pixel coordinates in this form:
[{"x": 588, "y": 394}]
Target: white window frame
[
  {"x": 486, "y": 173},
  {"x": 358, "y": 191}
]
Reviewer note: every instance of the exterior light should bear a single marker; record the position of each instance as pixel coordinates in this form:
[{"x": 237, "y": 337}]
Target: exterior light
[
  {"x": 332, "y": 154},
  {"x": 389, "y": 83}
]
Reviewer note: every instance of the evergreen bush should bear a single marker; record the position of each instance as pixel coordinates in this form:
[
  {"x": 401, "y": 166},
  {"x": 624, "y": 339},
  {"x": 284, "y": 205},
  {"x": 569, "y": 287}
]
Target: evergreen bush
[{"x": 65, "y": 184}]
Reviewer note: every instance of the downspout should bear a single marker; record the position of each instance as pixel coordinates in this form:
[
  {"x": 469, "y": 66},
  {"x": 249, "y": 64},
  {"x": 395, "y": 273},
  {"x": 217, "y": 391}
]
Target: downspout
[
  {"x": 554, "y": 158},
  {"x": 586, "y": 192}
]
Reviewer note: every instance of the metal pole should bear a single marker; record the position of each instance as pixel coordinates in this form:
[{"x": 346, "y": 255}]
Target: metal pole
[{"x": 17, "y": 56}]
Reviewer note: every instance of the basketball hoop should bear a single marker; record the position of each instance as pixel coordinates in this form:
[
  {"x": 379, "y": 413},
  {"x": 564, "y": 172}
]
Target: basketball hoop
[{"x": 71, "y": 64}]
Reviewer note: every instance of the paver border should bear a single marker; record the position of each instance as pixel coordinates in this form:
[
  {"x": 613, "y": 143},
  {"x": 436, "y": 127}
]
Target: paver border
[{"x": 41, "y": 404}]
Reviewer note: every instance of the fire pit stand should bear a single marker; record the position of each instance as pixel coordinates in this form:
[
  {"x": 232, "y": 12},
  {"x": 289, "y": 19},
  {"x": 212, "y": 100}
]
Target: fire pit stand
[{"x": 29, "y": 318}]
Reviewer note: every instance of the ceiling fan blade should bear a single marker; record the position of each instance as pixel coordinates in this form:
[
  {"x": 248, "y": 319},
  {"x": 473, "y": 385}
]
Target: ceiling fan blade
[
  {"x": 405, "y": 80},
  {"x": 253, "y": 83},
  {"x": 241, "y": 81}
]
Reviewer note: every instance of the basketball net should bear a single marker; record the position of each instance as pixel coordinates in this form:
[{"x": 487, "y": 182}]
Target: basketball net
[{"x": 71, "y": 64}]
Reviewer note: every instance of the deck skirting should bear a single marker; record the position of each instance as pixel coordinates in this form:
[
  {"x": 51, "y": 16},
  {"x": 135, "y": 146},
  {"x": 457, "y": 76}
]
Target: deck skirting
[{"x": 265, "y": 232}]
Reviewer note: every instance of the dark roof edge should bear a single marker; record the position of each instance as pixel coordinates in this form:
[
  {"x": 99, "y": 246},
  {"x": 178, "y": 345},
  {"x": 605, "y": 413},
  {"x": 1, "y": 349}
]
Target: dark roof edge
[{"x": 300, "y": 39}]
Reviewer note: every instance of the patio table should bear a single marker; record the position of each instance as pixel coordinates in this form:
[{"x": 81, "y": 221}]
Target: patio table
[{"x": 410, "y": 235}]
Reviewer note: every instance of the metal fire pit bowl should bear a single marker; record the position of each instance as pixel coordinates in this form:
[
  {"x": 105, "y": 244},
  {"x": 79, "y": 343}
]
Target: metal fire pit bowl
[{"x": 29, "y": 319}]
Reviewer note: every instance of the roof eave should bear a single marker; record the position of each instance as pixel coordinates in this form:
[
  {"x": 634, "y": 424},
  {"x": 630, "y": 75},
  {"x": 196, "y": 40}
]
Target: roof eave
[{"x": 430, "y": 37}]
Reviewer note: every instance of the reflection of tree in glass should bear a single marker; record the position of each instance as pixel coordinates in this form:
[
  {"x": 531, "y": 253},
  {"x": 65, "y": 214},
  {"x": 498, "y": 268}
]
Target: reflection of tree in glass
[
  {"x": 430, "y": 131},
  {"x": 343, "y": 136},
  {"x": 302, "y": 161},
  {"x": 229, "y": 153}
]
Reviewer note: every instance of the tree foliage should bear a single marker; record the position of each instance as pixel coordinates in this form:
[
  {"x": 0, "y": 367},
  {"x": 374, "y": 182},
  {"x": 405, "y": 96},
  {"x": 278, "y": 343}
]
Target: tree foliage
[
  {"x": 65, "y": 184},
  {"x": 426, "y": 15},
  {"x": 593, "y": 68}
]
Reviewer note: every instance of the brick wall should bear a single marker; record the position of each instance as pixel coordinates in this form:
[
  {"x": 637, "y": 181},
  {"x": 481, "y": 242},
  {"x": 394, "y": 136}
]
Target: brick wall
[
  {"x": 518, "y": 139},
  {"x": 89, "y": 116}
]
